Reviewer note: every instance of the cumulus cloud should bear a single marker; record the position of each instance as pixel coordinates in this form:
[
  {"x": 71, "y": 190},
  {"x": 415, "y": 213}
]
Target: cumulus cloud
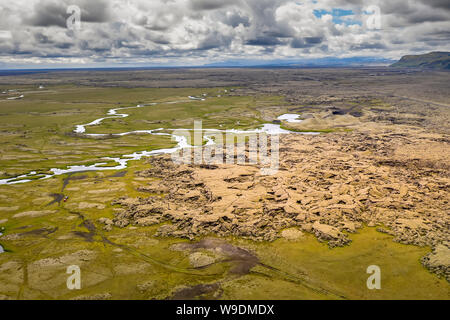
[{"x": 174, "y": 32}]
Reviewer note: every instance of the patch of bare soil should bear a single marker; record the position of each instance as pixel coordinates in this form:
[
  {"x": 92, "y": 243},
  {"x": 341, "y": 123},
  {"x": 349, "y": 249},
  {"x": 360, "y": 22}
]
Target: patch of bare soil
[
  {"x": 243, "y": 260},
  {"x": 57, "y": 198},
  {"x": 189, "y": 293}
]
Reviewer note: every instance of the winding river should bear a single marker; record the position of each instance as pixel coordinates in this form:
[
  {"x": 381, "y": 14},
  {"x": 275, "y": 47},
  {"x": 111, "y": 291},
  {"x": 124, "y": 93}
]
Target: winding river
[{"x": 122, "y": 162}]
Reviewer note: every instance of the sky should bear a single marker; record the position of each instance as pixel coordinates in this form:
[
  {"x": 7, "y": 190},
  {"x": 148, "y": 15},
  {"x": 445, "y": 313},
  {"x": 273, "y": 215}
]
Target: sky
[{"x": 139, "y": 33}]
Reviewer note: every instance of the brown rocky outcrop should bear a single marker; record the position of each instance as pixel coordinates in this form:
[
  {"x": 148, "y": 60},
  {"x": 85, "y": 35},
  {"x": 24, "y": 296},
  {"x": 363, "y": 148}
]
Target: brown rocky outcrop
[{"x": 329, "y": 185}]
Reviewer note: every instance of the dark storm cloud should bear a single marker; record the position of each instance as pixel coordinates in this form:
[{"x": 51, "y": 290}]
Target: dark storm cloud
[
  {"x": 279, "y": 33},
  {"x": 420, "y": 17},
  {"x": 214, "y": 40},
  {"x": 313, "y": 40},
  {"x": 54, "y": 13},
  {"x": 42, "y": 38},
  {"x": 440, "y": 4},
  {"x": 66, "y": 45},
  {"x": 211, "y": 4},
  {"x": 418, "y": 11},
  {"x": 94, "y": 11},
  {"x": 367, "y": 45},
  {"x": 307, "y": 42},
  {"x": 157, "y": 38},
  {"x": 264, "y": 41},
  {"x": 48, "y": 14}
]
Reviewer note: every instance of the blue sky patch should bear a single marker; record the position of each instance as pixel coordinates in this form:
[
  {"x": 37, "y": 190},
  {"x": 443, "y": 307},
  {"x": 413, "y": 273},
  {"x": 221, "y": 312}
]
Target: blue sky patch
[{"x": 337, "y": 16}]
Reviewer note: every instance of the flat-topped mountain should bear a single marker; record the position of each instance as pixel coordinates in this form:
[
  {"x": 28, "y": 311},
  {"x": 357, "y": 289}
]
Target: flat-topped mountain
[{"x": 432, "y": 60}]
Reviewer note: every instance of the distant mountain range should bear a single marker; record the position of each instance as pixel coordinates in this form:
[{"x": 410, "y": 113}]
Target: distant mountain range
[
  {"x": 302, "y": 63},
  {"x": 432, "y": 60}
]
